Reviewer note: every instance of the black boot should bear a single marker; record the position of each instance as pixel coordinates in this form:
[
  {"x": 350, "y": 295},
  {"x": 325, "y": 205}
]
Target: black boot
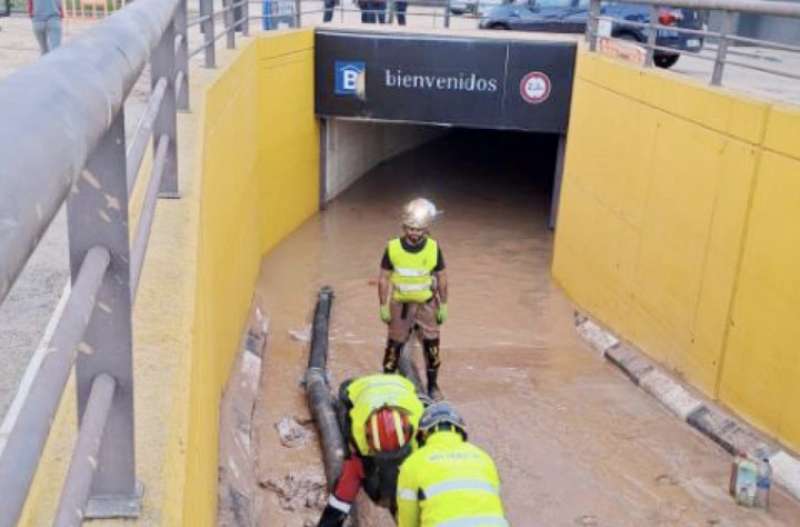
[
  {"x": 433, "y": 387},
  {"x": 391, "y": 356}
]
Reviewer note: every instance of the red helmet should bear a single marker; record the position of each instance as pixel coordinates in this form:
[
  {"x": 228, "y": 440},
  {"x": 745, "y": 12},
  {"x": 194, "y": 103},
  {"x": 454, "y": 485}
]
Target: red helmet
[{"x": 388, "y": 429}]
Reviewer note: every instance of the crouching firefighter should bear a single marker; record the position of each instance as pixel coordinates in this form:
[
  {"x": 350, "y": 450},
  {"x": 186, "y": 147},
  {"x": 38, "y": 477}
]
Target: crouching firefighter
[
  {"x": 448, "y": 481},
  {"x": 378, "y": 416}
]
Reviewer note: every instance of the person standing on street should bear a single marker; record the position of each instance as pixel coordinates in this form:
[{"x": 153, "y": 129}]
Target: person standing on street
[
  {"x": 400, "y": 7},
  {"x": 46, "y": 17},
  {"x": 412, "y": 290},
  {"x": 378, "y": 416},
  {"x": 448, "y": 481}
]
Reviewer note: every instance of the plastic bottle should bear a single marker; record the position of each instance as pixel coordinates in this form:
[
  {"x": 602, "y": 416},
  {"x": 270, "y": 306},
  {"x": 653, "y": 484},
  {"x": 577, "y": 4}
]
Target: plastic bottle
[
  {"x": 746, "y": 482},
  {"x": 763, "y": 481}
]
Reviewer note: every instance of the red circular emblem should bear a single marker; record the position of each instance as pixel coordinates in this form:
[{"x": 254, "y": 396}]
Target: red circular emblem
[{"x": 535, "y": 87}]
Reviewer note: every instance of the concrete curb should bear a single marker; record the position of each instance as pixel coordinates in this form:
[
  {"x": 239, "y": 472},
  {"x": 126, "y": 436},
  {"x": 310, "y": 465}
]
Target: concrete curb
[{"x": 703, "y": 416}]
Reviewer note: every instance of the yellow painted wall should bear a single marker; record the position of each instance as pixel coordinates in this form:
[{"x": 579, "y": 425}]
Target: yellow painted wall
[
  {"x": 679, "y": 228},
  {"x": 260, "y": 181}
]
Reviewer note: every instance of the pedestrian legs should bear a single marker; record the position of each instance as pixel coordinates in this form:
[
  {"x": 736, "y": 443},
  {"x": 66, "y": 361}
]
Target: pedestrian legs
[
  {"x": 40, "y": 32},
  {"x": 400, "y": 8},
  {"x": 329, "y": 5}
]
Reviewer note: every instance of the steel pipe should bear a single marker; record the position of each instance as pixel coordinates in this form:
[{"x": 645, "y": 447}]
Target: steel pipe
[
  {"x": 27, "y": 440},
  {"x": 90, "y": 78},
  {"x": 142, "y": 236},
  {"x": 144, "y": 129},
  {"x": 78, "y": 482}
]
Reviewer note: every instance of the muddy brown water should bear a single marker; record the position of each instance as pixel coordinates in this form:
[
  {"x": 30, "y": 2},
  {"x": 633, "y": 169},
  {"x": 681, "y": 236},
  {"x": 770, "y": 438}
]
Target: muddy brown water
[{"x": 575, "y": 442}]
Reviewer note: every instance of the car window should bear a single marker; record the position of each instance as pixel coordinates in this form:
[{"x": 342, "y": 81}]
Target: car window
[
  {"x": 549, "y": 4},
  {"x": 583, "y": 4}
]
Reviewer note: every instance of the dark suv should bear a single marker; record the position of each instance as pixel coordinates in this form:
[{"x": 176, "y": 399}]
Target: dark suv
[{"x": 570, "y": 16}]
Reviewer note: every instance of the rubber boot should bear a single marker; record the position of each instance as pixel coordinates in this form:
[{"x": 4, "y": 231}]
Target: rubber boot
[
  {"x": 391, "y": 356},
  {"x": 433, "y": 387}
]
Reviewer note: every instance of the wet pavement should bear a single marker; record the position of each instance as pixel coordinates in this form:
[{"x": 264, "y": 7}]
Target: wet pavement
[{"x": 575, "y": 442}]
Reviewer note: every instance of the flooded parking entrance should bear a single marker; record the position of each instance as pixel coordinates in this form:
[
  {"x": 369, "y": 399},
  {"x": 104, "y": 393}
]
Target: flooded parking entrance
[{"x": 574, "y": 441}]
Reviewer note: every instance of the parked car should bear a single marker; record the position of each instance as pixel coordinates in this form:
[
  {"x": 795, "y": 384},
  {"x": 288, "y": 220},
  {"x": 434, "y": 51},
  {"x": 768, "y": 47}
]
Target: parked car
[
  {"x": 478, "y": 7},
  {"x": 570, "y": 16}
]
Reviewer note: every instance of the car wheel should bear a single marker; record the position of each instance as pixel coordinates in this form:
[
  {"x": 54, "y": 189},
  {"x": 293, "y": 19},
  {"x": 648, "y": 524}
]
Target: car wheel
[
  {"x": 665, "y": 61},
  {"x": 630, "y": 37},
  {"x": 498, "y": 25}
]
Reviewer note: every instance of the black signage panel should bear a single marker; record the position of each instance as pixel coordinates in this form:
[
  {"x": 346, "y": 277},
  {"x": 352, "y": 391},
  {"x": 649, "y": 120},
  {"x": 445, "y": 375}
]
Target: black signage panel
[{"x": 475, "y": 82}]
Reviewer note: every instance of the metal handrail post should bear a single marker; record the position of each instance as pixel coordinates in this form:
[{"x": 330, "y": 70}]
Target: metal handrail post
[
  {"x": 722, "y": 47},
  {"x": 246, "y": 23},
  {"x": 230, "y": 27},
  {"x": 652, "y": 32},
  {"x": 162, "y": 65},
  {"x": 297, "y": 13},
  {"x": 591, "y": 27},
  {"x": 182, "y": 55},
  {"x": 107, "y": 346},
  {"x": 447, "y": 14},
  {"x": 207, "y": 26},
  {"x": 74, "y": 494}
]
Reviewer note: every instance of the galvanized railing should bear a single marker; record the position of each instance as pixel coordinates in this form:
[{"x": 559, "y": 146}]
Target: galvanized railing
[
  {"x": 73, "y": 150},
  {"x": 723, "y": 39}
]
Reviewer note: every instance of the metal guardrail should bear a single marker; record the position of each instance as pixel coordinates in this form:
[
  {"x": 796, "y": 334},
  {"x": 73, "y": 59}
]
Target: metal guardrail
[
  {"x": 724, "y": 38},
  {"x": 88, "y": 167}
]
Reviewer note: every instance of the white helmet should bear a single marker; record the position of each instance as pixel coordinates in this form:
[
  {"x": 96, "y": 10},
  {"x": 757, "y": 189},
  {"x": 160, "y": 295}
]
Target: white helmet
[{"x": 419, "y": 213}]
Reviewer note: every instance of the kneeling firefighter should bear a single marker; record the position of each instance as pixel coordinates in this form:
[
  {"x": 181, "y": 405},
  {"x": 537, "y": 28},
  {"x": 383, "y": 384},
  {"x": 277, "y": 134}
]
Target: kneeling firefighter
[
  {"x": 448, "y": 481},
  {"x": 378, "y": 416}
]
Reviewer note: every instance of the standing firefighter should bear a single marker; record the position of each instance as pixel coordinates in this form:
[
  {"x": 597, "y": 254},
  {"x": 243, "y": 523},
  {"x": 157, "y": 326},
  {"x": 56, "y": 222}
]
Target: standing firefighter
[
  {"x": 448, "y": 481},
  {"x": 413, "y": 271},
  {"x": 378, "y": 415}
]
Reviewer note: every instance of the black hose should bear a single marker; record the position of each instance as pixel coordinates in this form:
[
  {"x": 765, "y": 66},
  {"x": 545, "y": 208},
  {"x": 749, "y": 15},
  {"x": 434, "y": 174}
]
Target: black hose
[
  {"x": 318, "y": 390},
  {"x": 318, "y": 358},
  {"x": 408, "y": 368}
]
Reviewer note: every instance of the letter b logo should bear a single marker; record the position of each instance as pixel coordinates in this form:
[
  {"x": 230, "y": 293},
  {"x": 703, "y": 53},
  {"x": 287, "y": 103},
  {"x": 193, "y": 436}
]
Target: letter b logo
[{"x": 348, "y": 77}]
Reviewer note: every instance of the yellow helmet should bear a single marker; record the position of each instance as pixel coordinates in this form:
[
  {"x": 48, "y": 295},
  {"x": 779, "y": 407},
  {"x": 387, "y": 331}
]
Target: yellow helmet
[{"x": 419, "y": 213}]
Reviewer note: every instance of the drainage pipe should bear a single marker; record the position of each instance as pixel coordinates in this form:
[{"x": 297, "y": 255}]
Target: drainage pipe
[{"x": 318, "y": 390}]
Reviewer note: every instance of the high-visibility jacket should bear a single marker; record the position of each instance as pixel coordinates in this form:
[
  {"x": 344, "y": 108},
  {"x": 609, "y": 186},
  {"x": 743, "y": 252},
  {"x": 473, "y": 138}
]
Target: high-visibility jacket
[
  {"x": 411, "y": 278},
  {"x": 371, "y": 392},
  {"x": 449, "y": 482}
]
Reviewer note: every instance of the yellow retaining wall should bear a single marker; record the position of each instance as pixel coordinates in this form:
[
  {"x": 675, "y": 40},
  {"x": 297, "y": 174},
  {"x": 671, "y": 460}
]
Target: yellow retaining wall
[
  {"x": 260, "y": 163},
  {"x": 679, "y": 228},
  {"x": 249, "y": 169}
]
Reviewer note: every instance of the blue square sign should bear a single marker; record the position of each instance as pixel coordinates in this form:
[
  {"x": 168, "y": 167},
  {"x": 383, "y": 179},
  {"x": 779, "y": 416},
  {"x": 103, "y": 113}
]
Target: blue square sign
[{"x": 348, "y": 73}]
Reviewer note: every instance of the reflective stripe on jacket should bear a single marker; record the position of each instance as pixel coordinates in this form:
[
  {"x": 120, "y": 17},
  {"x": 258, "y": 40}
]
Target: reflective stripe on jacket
[
  {"x": 411, "y": 273},
  {"x": 373, "y": 391},
  {"x": 449, "y": 483}
]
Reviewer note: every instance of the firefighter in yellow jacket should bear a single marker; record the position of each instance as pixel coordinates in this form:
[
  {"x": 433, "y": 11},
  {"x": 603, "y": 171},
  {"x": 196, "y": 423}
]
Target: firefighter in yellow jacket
[
  {"x": 448, "y": 481},
  {"x": 412, "y": 290},
  {"x": 378, "y": 415}
]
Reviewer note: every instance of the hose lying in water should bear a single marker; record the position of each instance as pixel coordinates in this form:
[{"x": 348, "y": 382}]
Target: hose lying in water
[
  {"x": 318, "y": 390},
  {"x": 408, "y": 368}
]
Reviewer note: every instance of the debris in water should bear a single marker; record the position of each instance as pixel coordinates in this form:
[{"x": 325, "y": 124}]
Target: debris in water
[
  {"x": 292, "y": 434},
  {"x": 587, "y": 520},
  {"x": 301, "y": 335},
  {"x": 299, "y": 491}
]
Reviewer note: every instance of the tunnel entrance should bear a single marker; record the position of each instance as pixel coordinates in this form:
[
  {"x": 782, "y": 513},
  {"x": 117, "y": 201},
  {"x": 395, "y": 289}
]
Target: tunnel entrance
[
  {"x": 366, "y": 81},
  {"x": 442, "y": 159}
]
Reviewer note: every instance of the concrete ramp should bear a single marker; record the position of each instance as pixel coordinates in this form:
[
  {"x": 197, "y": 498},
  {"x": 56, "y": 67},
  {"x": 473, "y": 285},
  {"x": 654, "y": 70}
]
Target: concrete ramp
[{"x": 466, "y": 80}]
